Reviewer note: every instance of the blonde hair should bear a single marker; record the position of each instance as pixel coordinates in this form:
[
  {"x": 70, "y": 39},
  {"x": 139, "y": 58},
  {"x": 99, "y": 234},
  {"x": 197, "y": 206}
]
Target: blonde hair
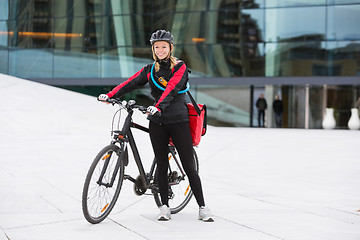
[{"x": 173, "y": 60}]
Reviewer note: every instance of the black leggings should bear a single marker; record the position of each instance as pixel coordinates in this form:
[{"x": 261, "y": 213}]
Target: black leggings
[{"x": 181, "y": 137}]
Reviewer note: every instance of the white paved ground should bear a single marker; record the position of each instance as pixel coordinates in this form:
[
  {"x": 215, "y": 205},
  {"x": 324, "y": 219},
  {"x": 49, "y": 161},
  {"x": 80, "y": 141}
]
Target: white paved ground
[{"x": 289, "y": 184}]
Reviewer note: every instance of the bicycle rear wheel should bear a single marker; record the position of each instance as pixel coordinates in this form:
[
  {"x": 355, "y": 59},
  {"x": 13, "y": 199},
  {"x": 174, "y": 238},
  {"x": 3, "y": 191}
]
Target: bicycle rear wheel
[
  {"x": 180, "y": 192},
  {"x": 102, "y": 184}
]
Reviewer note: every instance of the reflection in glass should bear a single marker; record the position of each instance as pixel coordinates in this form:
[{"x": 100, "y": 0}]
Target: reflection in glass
[
  {"x": 78, "y": 8},
  {"x": 28, "y": 63},
  {"x": 21, "y": 9},
  {"x": 127, "y": 30},
  {"x": 216, "y": 38},
  {"x": 76, "y": 64},
  {"x": 343, "y": 22},
  {"x": 117, "y": 7},
  {"x": 290, "y": 24},
  {"x": 252, "y": 25},
  {"x": 343, "y": 58},
  {"x": 4, "y": 10},
  {"x": 162, "y": 6},
  {"x": 69, "y": 25},
  {"x": 234, "y": 60},
  {"x": 296, "y": 59},
  {"x": 294, "y": 3},
  {"x": 233, "y": 5},
  {"x": 124, "y": 62},
  {"x": 343, "y": 1},
  {"x": 35, "y": 33},
  {"x": 4, "y": 60},
  {"x": 3, "y": 34},
  {"x": 182, "y": 26},
  {"x": 239, "y": 26},
  {"x": 194, "y": 56}
]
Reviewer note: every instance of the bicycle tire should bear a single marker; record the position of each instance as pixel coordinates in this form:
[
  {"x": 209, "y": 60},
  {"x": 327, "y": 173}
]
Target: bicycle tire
[
  {"x": 98, "y": 200},
  {"x": 182, "y": 192}
]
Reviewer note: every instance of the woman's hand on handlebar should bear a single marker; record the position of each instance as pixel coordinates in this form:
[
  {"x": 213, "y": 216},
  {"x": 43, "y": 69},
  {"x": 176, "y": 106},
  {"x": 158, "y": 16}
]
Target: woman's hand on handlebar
[
  {"x": 103, "y": 98},
  {"x": 153, "y": 110}
]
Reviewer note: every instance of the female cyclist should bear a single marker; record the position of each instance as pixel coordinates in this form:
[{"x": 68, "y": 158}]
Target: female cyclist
[{"x": 167, "y": 78}]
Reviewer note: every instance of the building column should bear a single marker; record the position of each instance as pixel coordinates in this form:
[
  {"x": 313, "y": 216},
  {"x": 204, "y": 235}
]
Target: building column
[
  {"x": 269, "y": 96},
  {"x": 307, "y": 107},
  {"x": 123, "y": 37}
]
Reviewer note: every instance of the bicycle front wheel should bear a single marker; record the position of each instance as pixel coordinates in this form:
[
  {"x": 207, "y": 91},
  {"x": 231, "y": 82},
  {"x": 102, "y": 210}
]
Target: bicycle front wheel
[
  {"x": 102, "y": 184},
  {"x": 180, "y": 192}
]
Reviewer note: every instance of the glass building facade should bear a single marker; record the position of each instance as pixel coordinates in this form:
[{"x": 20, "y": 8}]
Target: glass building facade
[{"x": 306, "y": 51}]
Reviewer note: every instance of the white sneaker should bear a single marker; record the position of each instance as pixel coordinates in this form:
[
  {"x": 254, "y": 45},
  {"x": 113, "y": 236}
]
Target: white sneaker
[
  {"x": 165, "y": 213},
  {"x": 205, "y": 214}
]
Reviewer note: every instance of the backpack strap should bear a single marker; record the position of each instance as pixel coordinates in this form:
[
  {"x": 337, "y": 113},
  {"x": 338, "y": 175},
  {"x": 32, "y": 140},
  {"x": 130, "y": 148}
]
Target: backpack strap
[
  {"x": 160, "y": 87},
  {"x": 197, "y": 109}
]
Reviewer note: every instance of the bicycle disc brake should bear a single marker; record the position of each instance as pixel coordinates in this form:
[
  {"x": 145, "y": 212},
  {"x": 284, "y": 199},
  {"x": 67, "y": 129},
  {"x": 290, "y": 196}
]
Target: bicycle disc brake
[{"x": 139, "y": 187}]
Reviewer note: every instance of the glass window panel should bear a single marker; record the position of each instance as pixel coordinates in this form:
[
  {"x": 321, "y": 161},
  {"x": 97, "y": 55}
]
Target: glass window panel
[
  {"x": 21, "y": 9},
  {"x": 343, "y": 59},
  {"x": 80, "y": 8},
  {"x": 35, "y": 33},
  {"x": 343, "y": 1},
  {"x": 165, "y": 6},
  {"x": 4, "y": 60},
  {"x": 222, "y": 60},
  {"x": 213, "y": 27},
  {"x": 184, "y": 5},
  {"x": 294, "y": 3},
  {"x": 25, "y": 9},
  {"x": 237, "y": 26},
  {"x": 124, "y": 61},
  {"x": 77, "y": 63},
  {"x": 182, "y": 26},
  {"x": 343, "y": 22},
  {"x": 253, "y": 25},
  {"x": 31, "y": 63},
  {"x": 129, "y": 30},
  {"x": 4, "y": 10},
  {"x": 295, "y": 59},
  {"x": 288, "y": 24},
  {"x": 82, "y": 32},
  {"x": 170, "y": 22},
  {"x": 234, "y": 60},
  {"x": 194, "y": 56},
  {"x": 227, "y": 27},
  {"x": 232, "y": 5},
  {"x": 3, "y": 34},
  {"x": 117, "y": 7}
]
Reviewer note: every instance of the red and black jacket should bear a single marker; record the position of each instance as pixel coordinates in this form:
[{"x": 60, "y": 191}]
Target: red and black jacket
[{"x": 171, "y": 104}]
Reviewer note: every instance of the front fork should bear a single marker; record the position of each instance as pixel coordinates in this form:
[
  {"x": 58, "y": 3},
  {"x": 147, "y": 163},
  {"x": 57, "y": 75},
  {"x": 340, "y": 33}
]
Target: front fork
[{"x": 122, "y": 158}]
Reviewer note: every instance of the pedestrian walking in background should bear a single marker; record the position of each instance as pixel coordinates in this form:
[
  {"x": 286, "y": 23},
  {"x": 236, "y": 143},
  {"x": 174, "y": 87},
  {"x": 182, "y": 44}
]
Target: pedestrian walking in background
[
  {"x": 261, "y": 106},
  {"x": 278, "y": 109}
]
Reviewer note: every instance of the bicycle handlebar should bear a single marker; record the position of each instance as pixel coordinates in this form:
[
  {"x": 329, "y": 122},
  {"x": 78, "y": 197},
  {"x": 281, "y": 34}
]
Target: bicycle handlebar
[{"x": 127, "y": 105}]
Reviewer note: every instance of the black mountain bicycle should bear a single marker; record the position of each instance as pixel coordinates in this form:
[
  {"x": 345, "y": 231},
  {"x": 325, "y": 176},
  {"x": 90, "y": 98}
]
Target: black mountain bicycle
[{"x": 107, "y": 172}]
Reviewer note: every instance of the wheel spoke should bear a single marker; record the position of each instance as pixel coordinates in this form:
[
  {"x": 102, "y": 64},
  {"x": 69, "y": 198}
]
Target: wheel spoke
[
  {"x": 181, "y": 192},
  {"x": 99, "y": 199}
]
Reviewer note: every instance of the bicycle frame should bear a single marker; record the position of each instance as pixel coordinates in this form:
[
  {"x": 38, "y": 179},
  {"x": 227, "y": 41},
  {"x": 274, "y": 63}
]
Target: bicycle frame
[
  {"x": 128, "y": 124},
  {"x": 126, "y": 136},
  {"x": 106, "y": 174}
]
